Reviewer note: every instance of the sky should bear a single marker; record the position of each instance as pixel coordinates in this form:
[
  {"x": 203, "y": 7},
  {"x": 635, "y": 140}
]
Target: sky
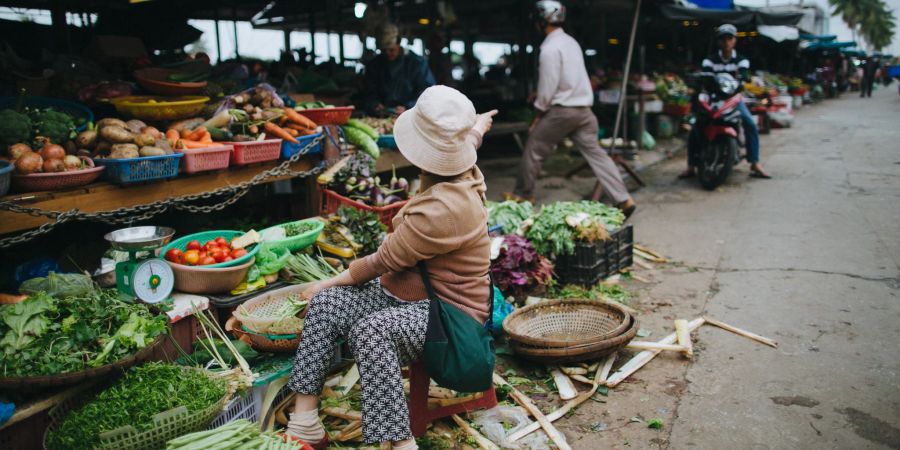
[{"x": 837, "y": 25}]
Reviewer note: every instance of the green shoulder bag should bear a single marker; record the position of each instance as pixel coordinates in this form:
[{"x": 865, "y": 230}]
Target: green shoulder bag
[{"x": 459, "y": 351}]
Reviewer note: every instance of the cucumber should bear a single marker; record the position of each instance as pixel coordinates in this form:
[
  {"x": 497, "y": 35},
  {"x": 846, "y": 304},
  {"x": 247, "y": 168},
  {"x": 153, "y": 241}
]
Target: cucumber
[
  {"x": 362, "y": 126},
  {"x": 362, "y": 140},
  {"x": 219, "y": 134}
]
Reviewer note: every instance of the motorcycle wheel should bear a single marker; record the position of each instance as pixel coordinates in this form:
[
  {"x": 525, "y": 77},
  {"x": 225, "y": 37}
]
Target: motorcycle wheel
[{"x": 716, "y": 162}]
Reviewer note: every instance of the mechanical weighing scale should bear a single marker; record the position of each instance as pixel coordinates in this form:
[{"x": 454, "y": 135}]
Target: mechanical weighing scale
[{"x": 146, "y": 278}]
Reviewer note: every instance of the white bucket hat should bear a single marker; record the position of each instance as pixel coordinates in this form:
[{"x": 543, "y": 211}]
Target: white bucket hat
[{"x": 432, "y": 135}]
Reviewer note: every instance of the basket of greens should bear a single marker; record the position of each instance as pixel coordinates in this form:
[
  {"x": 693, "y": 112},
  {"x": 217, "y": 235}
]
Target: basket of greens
[
  {"x": 292, "y": 236},
  {"x": 508, "y": 216},
  {"x": 63, "y": 340},
  {"x": 151, "y": 405}
]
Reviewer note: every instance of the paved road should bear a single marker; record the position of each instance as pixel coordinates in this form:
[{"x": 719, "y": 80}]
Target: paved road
[{"x": 811, "y": 259}]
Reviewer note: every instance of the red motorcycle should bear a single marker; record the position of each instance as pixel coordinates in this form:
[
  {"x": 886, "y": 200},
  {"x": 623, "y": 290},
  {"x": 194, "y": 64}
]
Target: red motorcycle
[{"x": 717, "y": 127}]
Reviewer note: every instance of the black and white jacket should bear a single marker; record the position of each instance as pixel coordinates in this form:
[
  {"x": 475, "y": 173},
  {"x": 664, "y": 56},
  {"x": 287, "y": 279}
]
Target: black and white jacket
[{"x": 738, "y": 66}]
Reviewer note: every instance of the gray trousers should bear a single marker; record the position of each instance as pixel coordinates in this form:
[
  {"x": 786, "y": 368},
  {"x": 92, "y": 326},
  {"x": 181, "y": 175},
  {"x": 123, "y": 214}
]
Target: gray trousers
[{"x": 580, "y": 124}]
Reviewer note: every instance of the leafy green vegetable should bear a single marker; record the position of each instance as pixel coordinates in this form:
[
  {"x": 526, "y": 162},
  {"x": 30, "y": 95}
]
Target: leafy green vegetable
[
  {"x": 144, "y": 392},
  {"x": 15, "y": 128},
  {"x": 366, "y": 228},
  {"x": 613, "y": 292},
  {"x": 297, "y": 228},
  {"x": 56, "y": 125},
  {"x": 44, "y": 335},
  {"x": 59, "y": 285},
  {"x": 656, "y": 424},
  {"x": 509, "y": 215},
  {"x": 307, "y": 269},
  {"x": 552, "y": 234}
]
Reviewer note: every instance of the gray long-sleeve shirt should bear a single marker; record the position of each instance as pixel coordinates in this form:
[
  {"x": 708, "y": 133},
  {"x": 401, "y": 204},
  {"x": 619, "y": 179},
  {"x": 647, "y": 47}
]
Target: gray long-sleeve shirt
[{"x": 562, "y": 78}]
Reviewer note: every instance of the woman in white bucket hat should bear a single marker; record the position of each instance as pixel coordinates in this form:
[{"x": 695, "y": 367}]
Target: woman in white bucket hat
[{"x": 380, "y": 304}]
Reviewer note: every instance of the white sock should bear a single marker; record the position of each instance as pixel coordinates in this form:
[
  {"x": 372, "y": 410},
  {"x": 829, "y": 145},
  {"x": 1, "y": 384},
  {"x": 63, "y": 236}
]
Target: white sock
[
  {"x": 409, "y": 445},
  {"x": 306, "y": 426}
]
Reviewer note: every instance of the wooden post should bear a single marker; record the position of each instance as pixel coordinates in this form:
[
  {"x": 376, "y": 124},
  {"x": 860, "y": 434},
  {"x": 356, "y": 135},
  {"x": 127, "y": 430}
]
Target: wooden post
[{"x": 237, "y": 53}]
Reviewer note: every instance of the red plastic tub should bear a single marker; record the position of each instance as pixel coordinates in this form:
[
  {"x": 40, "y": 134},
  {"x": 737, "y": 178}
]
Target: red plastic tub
[
  {"x": 255, "y": 151},
  {"x": 205, "y": 159},
  {"x": 328, "y": 116},
  {"x": 333, "y": 201}
]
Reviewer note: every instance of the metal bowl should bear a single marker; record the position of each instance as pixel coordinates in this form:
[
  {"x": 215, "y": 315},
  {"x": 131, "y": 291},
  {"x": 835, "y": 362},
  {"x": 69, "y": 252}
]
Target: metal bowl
[{"x": 139, "y": 238}]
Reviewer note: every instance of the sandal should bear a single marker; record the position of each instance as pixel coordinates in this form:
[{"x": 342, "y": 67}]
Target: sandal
[
  {"x": 687, "y": 174},
  {"x": 759, "y": 174},
  {"x": 627, "y": 211},
  {"x": 321, "y": 445}
]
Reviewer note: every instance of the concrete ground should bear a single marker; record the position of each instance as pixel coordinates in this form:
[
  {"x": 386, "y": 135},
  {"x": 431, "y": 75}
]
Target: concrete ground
[{"x": 810, "y": 258}]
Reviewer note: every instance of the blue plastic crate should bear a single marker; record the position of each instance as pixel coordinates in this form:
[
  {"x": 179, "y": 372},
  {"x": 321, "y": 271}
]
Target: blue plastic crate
[
  {"x": 387, "y": 141},
  {"x": 289, "y": 149},
  {"x": 145, "y": 168},
  {"x": 894, "y": 71}
]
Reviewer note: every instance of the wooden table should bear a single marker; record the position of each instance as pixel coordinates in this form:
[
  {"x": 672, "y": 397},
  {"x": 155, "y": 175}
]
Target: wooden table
[{"x": 518, "y": 130}]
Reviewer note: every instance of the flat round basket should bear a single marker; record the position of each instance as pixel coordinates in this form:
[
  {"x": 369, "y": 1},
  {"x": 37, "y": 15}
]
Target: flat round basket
[
  {"x": 70, "y": 378},
  {"x": 585, "y": 352},
  {"x": 566, "y": 323},
  {"x": 263, "y": 342},
  {"x": 260, "y": 313}
]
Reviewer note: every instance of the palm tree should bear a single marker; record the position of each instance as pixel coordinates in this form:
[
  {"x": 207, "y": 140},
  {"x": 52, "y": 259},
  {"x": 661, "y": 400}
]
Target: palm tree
[{"x": 871, "y": 19}]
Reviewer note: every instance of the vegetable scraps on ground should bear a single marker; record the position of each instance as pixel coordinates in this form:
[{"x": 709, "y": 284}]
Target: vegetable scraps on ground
[
  {"x": 509, "y": 215},
  {"x": 47, "y": 335},
  {"x": 519, "y": 269},
  {"x": 142, "y": 393},
  {"x": 240, "y": 434},
  {"x": 558, "y": 226}
]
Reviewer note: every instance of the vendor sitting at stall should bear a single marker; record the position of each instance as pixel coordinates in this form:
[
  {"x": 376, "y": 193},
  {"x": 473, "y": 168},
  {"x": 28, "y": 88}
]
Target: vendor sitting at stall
[
  {"x": 396, "y": 77},
  {"x": 380, "y": 304}
]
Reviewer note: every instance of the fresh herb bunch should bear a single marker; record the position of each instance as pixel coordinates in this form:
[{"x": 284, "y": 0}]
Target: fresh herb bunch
[
  {"x": 297, "y": 228},
  {"x": 307, "y": 269},
  {"x": 553, "y": 235},
  {"x": 509, "y": 215},
  {"x": 44, "y": 335},
  {"x": 366, "y": 228},
  {"x": 520, "y": 269},
  {"x": 144, "y": 392}
]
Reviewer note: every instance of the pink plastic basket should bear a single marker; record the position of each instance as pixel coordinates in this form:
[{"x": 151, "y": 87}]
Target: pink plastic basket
[
  {"x": 328, "y": 116},
  {"x": 205, "y": 159},
  {"x": 36, "y": 182},
  {"x": 255, "y": 151},
  {"x": 386, "y": 214}
]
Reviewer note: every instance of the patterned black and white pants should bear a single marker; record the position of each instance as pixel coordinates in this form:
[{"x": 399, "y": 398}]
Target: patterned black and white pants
[{"x": 384, "y": 334}]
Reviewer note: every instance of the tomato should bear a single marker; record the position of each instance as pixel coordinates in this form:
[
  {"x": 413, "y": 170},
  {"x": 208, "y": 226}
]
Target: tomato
[
  {"x": 174, "y": 255},
  {"x": 218, "y": 254},
  {"x": 221, "y": 241},
  {"x": 210, "y": 246},
  {"x": 207, "y": 261},
  {"x": 238, "y": 253},
  {"x": 193, "y": 245},
  {"x": 191, "y": 257},
  {"x": 227, "y": 258},
  {"x": 203, "y": 254}
]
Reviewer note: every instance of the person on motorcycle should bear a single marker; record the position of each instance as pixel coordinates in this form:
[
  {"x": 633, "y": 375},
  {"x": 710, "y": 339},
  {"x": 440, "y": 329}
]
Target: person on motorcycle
[{"x": 727, "y": 60}]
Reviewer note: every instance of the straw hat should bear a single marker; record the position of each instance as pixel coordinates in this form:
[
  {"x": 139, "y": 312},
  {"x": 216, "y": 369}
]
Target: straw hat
[{"x": 432, "y": 135}]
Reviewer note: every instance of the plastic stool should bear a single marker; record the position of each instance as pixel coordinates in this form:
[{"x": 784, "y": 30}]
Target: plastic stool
[{"x": 420, "y": 415}]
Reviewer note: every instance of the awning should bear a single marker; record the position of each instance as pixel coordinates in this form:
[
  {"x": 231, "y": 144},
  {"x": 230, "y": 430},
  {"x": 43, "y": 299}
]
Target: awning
[
  {"x": 779, "y": 33},
  {"x": 738, "y": 16},
  {"x": 815, "y": 46},
  {"x": 818, "y": 37}
]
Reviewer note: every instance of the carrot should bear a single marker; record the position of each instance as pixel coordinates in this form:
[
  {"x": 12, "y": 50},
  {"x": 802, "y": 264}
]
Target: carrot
[
  {"x": 172, "y": 136},
  {"x": 277, "y": 131},
  {"x": 294, "y": 126},
  {"x": 205, "y": 135},
  {"x": 292, "y": 132},
  {"x": 186, "y": 133},
  {"x": 187, "y": 143},
  {"x": 298, "y": 118}
]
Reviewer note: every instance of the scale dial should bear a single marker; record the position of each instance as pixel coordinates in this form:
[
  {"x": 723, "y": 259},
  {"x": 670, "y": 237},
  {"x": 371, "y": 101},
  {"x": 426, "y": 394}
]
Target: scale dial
[{"x": 152, "y": 280}]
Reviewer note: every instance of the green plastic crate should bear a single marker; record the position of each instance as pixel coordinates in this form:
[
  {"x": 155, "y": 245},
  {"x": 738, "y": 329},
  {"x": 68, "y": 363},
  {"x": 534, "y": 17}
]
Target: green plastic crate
[
  {"x": 181, "y": 244},
  {"x": 299, "y": 242}
]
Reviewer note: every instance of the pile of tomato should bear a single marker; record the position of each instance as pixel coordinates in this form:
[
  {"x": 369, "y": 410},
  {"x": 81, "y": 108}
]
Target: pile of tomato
[{"x": 212, "y": 252}]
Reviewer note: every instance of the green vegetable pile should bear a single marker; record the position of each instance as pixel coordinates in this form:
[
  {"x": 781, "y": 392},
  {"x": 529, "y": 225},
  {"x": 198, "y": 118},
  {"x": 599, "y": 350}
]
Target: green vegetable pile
[
  {"x": 297, "y": 228},
  {"x": 552, "y": 232},
  {"x": 307, "y": 269},
  {"x": 46, "y": 335},
  {"x": 144, "y": 392},
  {"x": 15, "y": 128},
  {"x": 613, "y": 292},
  {"x": 240, "y": 434},
  {"x": 58, "y": 126},
  {"x": 509, "y": 215},
  {"x": 366, "y": 228}
]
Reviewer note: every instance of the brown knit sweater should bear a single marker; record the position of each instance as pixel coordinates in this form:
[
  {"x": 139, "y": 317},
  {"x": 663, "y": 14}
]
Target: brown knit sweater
[{"x": 446, "y": 226}]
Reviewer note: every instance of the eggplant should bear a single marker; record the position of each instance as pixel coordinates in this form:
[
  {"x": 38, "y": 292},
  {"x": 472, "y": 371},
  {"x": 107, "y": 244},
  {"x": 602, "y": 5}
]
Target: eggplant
[
  {"x": 391, "y": 199},
  {"x": 402, "y": 183}
]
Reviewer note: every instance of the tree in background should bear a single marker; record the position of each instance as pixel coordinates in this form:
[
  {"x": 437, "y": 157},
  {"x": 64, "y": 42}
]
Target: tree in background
[{"x": 873, "y": 20}]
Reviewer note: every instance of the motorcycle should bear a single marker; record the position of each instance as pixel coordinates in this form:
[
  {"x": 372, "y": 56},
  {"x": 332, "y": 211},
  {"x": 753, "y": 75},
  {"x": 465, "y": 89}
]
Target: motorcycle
[{"x": 717, "y": 127}]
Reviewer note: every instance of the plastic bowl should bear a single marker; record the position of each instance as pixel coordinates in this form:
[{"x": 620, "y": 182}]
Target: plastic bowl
[
  {"x": 299, "y": 242},
  {"x": 207, "y": 280},
  {"x": 181, "y": 244}
]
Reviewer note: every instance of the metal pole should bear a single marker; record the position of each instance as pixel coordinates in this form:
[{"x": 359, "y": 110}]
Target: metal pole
[
  {"x": 237, "y": 54},
  {"x": 621, "y": 109}
]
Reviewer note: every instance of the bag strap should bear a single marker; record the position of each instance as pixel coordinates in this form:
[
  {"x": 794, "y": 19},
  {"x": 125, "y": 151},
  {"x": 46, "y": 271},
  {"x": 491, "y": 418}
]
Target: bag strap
[
  {"x": 423, "y": 272},
  {"x": 429, "y": 289}
]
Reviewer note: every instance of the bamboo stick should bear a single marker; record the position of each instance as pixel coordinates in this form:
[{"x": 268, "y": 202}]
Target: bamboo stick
[
  {"x": 593, "y": 367},
  {"x": 526, "y": 403},
  {"x": 343, "y": 413},
  {"x": 441, "y": 402},
  {"x": 738, "y": 331},
  {"x": 648, "y": 251},
  {"x": 564, "y": 385},
  {"x": 439, "y": 392},
  {"x": 645, "y": 356},
  {"x": 641, "y": 345},
  {"x": 607, "y": 367},
  {"x": 349, "y": 379},
  {"x": 581, "y": 378},
  {"x": 684, "y": 337},
  {"x": 355, "y": 434},
  {"x": 642, "y": 264},
  {"x": 574, "y": 370},
  {"x": 482, "y": 441},
  {"x": 648, "y": 256}
]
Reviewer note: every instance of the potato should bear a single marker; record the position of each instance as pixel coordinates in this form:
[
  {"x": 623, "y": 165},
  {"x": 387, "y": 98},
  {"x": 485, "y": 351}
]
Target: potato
[
  {"x": 111, "y": 122},
  {"x": 116, "y": 135},
  {"x": 124, "y": 151},
  {"x": 152, "y": 151},
  {"x": 102, "y": 147},
  {"x": 135, "y": 126},
  {"x": 86, "y": 139},
  {"x": 144, "y": 140}
]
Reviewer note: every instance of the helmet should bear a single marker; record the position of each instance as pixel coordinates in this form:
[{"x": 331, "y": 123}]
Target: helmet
[
  {"x": 549, "y": 11},
  {"x": 726, "y": 29}
]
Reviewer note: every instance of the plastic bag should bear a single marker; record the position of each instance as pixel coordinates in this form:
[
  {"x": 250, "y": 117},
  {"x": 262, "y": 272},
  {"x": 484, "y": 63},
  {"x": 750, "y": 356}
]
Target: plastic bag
[
  {"x": 38, "y": 267},
  {"x": 501, "y": 309},
  {"x": 59, "y": 285},
  {"x": 492, "y": 422},
  {"x": 270, "y": 260}
]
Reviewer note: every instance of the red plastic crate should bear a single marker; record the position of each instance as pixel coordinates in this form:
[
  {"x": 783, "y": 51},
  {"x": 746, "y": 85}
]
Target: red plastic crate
[
  {"x": 386, "y": 214},
  {"x": 328, "y": 116},
  {"x": 205, "y": 159},
  {"x": 255, "y": 151}
]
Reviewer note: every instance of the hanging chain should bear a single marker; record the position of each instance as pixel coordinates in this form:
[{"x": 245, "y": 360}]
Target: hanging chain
[{"x": 147, "y": 211}]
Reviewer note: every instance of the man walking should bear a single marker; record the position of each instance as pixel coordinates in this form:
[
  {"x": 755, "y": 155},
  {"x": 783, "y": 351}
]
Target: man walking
[
  {"x": 563, "y": 108},
  {"x": 868, "y": 79}
]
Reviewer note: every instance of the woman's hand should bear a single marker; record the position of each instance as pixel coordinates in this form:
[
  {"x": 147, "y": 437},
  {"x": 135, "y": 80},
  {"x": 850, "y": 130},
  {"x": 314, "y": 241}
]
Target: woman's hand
[
  {"x": 483, "y": 122},
  {"x": 342, "y": 279},
  {"x": 313, "y": 289}
]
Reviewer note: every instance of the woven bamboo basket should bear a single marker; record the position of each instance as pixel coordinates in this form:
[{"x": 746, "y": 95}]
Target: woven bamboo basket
[
  {"x": 259, "y": 314},
  {"x": 585, "y": 352},
  {"x": 287, "y": 343},
  {"x": 566, "y": 323}
]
